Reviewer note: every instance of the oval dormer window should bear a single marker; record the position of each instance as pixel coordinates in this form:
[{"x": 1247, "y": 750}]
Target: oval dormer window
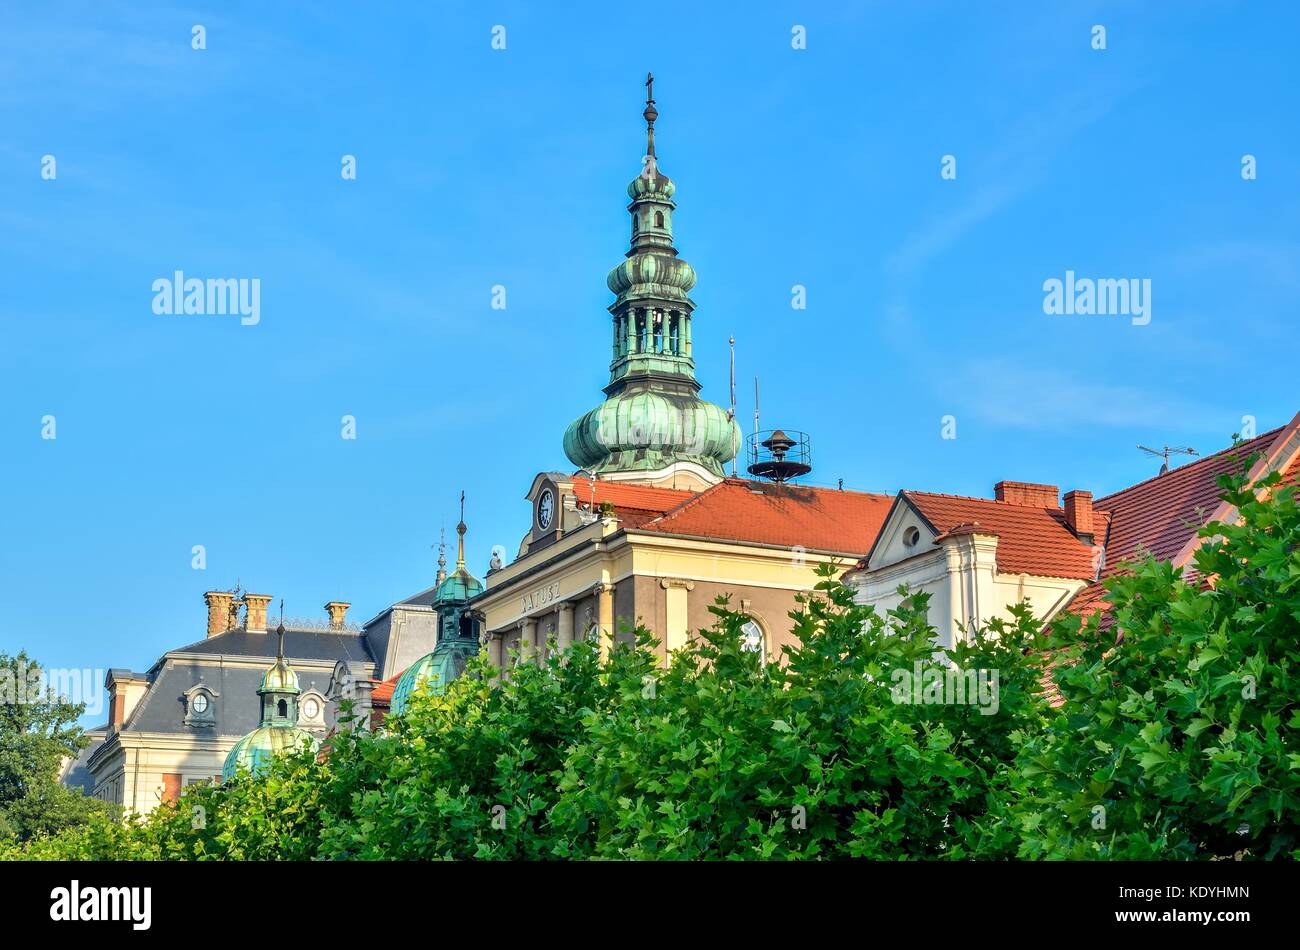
[{"x": 911, "y": 536}]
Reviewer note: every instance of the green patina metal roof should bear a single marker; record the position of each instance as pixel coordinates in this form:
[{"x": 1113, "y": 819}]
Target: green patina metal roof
[
  {"x": 433, "y": 671},
  {"x": 645, "y": 430},
  {"x": 279, "y": 730},
  {"x": 280, "y": 678},
  {"x": 255, "y": 751},
  {"x": 653, "y": 416},
  {"x": 458, "y": 585}
]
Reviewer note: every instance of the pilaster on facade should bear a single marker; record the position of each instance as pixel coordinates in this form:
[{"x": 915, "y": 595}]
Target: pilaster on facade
[{"x": 676, "y": 609}]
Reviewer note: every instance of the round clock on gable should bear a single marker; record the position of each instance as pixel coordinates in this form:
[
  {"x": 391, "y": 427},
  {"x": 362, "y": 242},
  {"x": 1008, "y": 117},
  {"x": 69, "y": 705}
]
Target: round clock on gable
[{"x": 545, "y": 509}]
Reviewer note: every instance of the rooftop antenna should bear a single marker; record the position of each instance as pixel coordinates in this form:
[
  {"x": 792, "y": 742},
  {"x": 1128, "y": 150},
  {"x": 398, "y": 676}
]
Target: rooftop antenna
[
  {"x": 1165, "y": 453},
  {"x": 731, "y": 413}
]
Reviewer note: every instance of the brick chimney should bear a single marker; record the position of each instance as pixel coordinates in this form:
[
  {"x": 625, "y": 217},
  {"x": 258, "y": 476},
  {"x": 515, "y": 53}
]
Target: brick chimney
[
  {"x": 124, "y": 690},
  {"x": 1030, "y": 494},
  {"x": 218, "y": 602},
  {"x": 1078, "y": 514},
  {"x": 255, "y": 619},
  {"x": 338, "y": 610}
]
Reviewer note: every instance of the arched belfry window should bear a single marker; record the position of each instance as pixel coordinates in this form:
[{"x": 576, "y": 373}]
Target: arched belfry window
[
  {"x": 283, "y": 708},
  {"x": 659, "y": 219}
]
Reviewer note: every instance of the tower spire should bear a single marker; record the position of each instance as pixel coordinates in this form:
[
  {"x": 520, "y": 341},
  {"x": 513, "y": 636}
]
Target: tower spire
[
  {"x": 652, "y": 425},
  {"x": 460, "y": 531},
  {"x": 650, "y": 114}
]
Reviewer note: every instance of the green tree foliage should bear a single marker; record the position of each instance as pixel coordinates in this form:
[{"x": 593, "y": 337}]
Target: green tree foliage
[
  {"x": 1180, "y": 739},
  {"x": 37, "y": 731}
]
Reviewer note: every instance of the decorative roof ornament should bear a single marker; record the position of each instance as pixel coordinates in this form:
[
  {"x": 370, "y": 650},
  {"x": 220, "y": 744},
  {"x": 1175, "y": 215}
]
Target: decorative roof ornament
[
  {"x": 442, "y": 556},
  {"x": 458, "y": 631},
  {"x": 279, "y": 731},
  {"x": 650, "y": 113},
  {"x": 460, "y": 535},
  {"x": 460, "y": 585},
  {"x": 652, "y": 424}
]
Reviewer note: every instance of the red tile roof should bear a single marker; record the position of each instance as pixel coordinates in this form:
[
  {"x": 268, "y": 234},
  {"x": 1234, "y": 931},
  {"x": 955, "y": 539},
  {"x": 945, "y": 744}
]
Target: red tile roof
[
  {"x": 382, "y": 694},
  {"x": 1162, "y": 514},
  {"x": 1032, "y": 539},
  {"x": 634, "y": 504},
  {"x": 816, "y": 519}
]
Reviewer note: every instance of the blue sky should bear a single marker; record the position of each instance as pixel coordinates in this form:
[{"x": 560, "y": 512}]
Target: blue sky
[{"x": 477, "y": 167}]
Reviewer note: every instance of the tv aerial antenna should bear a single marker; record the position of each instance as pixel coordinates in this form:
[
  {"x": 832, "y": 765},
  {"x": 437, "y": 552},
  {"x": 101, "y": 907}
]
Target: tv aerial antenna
[{"x": 1164, "y": 454}]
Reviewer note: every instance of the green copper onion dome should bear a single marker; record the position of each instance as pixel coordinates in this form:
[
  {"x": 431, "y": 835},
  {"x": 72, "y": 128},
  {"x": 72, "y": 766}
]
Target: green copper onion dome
[
  {"x": 647, "y": 430},
  {"x": 433, "y": 671},
  {"x": 652, "y": 418},
  {"x": 458, "y": 632},
  {"x": 255, "y": 751},
  {"x": 279, "y": 730}
]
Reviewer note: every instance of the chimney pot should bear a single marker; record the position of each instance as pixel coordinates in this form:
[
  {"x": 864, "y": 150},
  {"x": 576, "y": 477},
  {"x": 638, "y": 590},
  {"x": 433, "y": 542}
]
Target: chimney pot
[
  {"x": 1078, "y": 515},
  {"x": 255, "y": 618},
  {"x": 1030, "y": 494},
  {"x": 337, "y": 610},
  {"x": 219, "y": 603}
]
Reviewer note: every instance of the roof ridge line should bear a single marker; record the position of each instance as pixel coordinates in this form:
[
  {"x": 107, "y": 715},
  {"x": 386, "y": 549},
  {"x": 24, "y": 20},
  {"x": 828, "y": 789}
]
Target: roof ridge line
[
  {"x": 686, "y": 502},
  {"x": 1271, "y": 435}
]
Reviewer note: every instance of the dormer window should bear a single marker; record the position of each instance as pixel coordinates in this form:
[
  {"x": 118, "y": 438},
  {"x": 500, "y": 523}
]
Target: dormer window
[
  {"x": 911, "y": 536},
  {"x": 200, "y": 706}
]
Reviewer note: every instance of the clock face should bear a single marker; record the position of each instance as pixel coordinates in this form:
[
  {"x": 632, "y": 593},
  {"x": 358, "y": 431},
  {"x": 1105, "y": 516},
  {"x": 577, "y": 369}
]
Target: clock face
[
  {"x": 545, "y": 509},
  {"x": 311, "y": 708}
]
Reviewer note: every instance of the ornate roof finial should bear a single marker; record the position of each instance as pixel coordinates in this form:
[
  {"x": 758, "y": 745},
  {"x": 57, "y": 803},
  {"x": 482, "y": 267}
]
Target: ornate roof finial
[
  {"x": 460, "y": 530},
  {"x": 442, "y": 554},
  {"x": 279, "y": 631},
  {"x": 650, "y": 113}
]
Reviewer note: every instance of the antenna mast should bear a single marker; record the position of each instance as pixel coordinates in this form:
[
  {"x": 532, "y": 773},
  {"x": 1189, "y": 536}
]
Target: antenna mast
[
  {"x": 731, "y": 413},
  {"x": 1164, "y": 454}
]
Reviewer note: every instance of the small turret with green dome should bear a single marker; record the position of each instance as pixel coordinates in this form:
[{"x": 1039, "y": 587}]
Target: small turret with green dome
[
  {"x": 458, "y": 631},
  {"x": 653, "y": 420},
  {"x": 279, "y": 731}
]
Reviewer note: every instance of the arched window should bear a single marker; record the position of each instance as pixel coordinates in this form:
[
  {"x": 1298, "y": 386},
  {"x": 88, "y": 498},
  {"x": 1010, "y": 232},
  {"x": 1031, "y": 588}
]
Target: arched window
[
  {"x": 283, "y": 709},
  {"x": 659, "y": 219},
  {"x": 752, "y": 639}
]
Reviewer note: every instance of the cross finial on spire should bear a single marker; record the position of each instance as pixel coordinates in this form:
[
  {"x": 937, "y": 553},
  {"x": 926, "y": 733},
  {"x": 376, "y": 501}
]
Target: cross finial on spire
[
  {"x": 279, "y": 631},
  {"x": 650, "y": 113},
  {"x": 460, "y": 530},
  {"x": 442, "y": 554}
]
